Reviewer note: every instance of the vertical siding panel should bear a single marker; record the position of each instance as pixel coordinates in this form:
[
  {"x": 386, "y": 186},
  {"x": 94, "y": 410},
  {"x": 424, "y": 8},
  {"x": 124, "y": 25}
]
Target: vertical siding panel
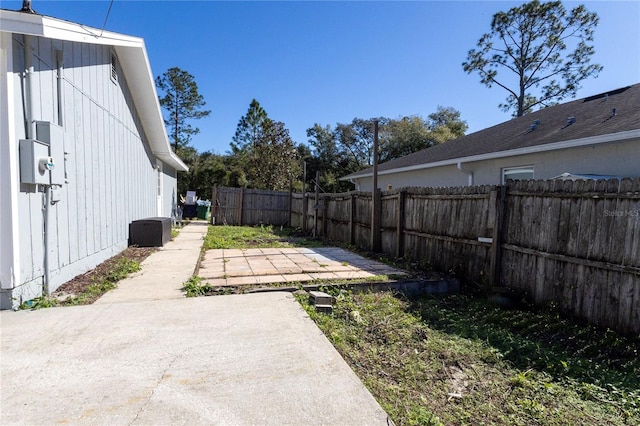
[
  {"x": 81, "y": 181},
  {"x": 101, "y": 141},
  {"x": 85, "y": 141},
  {"x": 71, "y": 195},
  {"x": 111, "y": 124},
  {"x": 110, "y": 189},
  {"x": 95, "y": 141},
  {"x": 105, "y": 163}
]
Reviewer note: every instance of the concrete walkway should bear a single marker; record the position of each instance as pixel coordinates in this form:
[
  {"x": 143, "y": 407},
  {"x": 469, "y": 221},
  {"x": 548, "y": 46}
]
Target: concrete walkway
[
  {"x": 146, "y": 355},
  {"x": 163, "y": 274}
]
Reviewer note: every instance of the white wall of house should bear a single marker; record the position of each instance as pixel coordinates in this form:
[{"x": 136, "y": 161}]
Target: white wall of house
[
  {"x": 111, "y": 172},
  {"x": 169, "y": 191},
  {"x": 614, "y": 158}
]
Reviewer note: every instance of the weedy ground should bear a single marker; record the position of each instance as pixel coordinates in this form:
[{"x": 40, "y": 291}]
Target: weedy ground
[
  {"x": 460, "y": 360},
  {"x": 240, "y": 237},
  {"x": 88, "y": 287}
]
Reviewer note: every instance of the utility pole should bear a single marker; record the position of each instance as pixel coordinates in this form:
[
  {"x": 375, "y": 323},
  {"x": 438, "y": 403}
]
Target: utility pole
[{"x": 375, "y": 195}]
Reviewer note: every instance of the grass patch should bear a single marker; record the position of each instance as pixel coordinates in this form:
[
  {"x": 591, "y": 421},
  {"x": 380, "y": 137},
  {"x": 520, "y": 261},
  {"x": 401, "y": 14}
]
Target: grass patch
[
  {"x": 459, "y": 360},
  {"x": 240, "y": 237},
  {"x": 174, "y": 232}
]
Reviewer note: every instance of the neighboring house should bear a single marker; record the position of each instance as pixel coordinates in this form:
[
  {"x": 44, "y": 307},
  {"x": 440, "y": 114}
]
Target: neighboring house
[
  {"x": 598, "y": 135},
  {"x": 83, "y": 102}
]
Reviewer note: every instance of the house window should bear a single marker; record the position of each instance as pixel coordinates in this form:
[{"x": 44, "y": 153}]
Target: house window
[
  {"x": 114, "y": 68},
  {"x": 517, "y": 173}
]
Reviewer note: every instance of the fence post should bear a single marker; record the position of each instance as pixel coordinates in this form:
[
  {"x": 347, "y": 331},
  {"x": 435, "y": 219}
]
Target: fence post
[
  {"x": 240, "y": 207},
  {"x": 375, "y": 220},
  {"x": 316, "y": 207},
  {"x": 325, "y": 215},
  {"x": 496, "y": 243},
  {"x": 375, "y": 196},
  {"x": 352, "y": 220},
  {"x": 305, "y": 207},
  {"x": 214, "y": 204},
  {"x": 289, "y": 221},
  {"x": 400, "y": 225}
]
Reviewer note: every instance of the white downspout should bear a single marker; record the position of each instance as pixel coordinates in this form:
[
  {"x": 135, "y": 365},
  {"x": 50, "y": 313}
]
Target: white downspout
[
  {"x": 28, "y": 85},
  {"x": 469, "y": 173}
]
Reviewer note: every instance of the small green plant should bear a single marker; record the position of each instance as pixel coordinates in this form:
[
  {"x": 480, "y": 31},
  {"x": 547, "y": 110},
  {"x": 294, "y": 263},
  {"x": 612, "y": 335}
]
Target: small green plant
[
  {"x": 38, "y": 303},
  {"x": 174, "y": 232},
  {"x": 194, "y": 287}
]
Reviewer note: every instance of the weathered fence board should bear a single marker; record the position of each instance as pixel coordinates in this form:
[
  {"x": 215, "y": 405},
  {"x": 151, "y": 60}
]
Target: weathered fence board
[{"x": 239, "y": 206}]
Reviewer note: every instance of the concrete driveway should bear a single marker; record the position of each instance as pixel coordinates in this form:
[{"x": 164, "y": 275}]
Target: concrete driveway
[{"x": 247, "y": 359}]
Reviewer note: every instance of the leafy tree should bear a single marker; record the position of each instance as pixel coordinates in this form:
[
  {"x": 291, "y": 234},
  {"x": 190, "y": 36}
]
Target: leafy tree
[
  {"x": 181, "y": 102},
  {"x": 265, "y": 155},
  {"x": 249, "y": 127},
  {"x": 348, "y": 147},
  {"x": 445, "y": 124},
  {"x": 205, "y": 170},
  {"x": 274, "y": 158},
  {"x": 356, "y": 140},
  {"x": 404, "y": 136},
  {"x": 328, "y": 159},
  {"x": 533, "y": 44}
]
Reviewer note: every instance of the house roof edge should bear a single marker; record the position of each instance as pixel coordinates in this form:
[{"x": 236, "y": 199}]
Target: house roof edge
[
  {"x": 132, "y": 55},
  {"x": 591, "y": 140}
]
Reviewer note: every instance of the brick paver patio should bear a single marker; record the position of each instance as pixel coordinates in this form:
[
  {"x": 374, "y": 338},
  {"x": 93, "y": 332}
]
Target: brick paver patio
[{"x": 236, "y": 267}]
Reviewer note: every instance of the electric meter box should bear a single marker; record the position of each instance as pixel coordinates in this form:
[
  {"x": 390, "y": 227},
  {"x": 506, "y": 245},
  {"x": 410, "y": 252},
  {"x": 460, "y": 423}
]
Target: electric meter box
[
  {"x": 53, "y": 134},
  {"x": 32, "y": 151}
]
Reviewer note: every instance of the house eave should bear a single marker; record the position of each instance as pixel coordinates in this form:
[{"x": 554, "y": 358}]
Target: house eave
[
  {"x": 132, "y": 55},
  {"x": 592, "y": 140}
]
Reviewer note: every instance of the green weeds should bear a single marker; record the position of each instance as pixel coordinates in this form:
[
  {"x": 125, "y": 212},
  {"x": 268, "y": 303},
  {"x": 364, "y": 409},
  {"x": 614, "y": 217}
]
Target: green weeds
[
  {"x": 240, "y": 237},
  {"x": 175, "y": 232},
  {"x": 459, "y": 360},
  {"x": 101, "y": 282},
  {"x": 108, "y": 281},
  {"x": 194, "y": 287},
  {"x": 41, "y": 302}
]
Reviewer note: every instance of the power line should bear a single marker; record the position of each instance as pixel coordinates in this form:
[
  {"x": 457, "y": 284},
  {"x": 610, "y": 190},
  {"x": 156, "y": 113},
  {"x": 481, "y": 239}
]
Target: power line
[{"x": 106, "y": 18}]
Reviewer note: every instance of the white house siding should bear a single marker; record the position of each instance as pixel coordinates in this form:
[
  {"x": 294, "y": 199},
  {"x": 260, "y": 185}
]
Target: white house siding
[
  {"x": 169, "y": 191},
  {"x": 617, "y": 158},
  {"x": 110, "y": 169}
]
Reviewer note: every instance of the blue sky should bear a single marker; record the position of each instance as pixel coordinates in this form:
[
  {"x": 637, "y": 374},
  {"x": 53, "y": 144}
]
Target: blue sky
[{"x": 331, "y": 61}]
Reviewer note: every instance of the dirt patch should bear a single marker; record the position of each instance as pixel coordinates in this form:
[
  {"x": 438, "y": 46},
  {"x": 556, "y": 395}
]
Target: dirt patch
[{"x": 78, "y": 284}]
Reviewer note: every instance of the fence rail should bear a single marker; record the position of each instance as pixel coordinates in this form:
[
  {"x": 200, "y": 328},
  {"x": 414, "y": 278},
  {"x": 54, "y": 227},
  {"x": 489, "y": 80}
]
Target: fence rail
[{"x": 575, "y": 244}]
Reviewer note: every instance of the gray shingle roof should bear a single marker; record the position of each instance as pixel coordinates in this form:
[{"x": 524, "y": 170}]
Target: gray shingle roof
[{"x": 593, "y": 117}]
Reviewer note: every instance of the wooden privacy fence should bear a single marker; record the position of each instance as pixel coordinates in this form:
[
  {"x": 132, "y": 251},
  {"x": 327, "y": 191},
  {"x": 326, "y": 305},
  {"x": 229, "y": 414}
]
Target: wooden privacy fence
[
  {"x": 239, "y": 206},
  {"x": 574, "y": 244}
]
